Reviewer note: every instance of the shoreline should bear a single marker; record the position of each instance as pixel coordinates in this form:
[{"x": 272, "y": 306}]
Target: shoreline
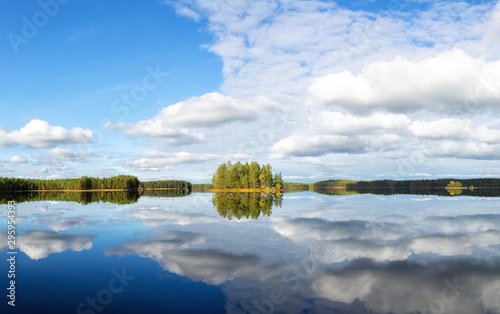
[{"x": 95, "y": 190}]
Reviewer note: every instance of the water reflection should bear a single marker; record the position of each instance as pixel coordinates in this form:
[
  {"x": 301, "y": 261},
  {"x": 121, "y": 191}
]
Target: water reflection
[
  {"x": 40, "y": 244},
  {"x": 246, "y": 205},
  {"x": 444, "y": 286},
  {"x": 314, "y": 254},
  {"x": 115, "y": 197},
  {"x": 311, "y": 283},
  {"x": 479, "y": 192}
]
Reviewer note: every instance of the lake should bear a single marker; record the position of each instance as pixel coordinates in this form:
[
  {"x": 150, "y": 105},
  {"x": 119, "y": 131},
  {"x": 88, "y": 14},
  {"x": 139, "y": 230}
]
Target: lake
[{"x": 297, "y": 253}]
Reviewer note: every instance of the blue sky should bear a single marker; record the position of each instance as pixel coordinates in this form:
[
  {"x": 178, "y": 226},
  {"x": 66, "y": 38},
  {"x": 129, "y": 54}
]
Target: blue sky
[{"x": 319, "y": 89}]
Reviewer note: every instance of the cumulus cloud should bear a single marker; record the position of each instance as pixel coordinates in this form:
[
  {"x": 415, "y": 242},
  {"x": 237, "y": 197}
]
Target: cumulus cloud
[
  {"x": 301, "y": 145},
  {"x": 469, "y": 150},
  {"x": 434, "y": 83},
  {"x": 54, "y": 176},
  {"x": 442, "y": 128},
  {"x": 40, "y": 244},
  {"x": 18, "y": 160},
  {"x": 42, "y": 170},
  {"x": 40, "y": 134},
  {"x": 58, "y": 155},
  {"x": 66, "y": 154},
  {"x": 278, "y": 45},
  {"x": 173, "y": 122},
  {"x": 154, "y": 160},
  {"x": 346, "y": 124},
  {"x": 455, "y": 129},
  {"x": 317, "y": 145},
  {"x": 422, "y": 63}
]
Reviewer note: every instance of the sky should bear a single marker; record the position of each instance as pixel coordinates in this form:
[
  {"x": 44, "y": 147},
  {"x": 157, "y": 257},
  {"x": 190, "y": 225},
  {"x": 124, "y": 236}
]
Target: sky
[{"x": 321, "y": 90}]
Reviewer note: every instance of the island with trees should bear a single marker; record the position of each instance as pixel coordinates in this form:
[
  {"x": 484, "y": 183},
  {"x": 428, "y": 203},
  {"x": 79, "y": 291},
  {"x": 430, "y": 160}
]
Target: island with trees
[{"x": 246, "y": 177}]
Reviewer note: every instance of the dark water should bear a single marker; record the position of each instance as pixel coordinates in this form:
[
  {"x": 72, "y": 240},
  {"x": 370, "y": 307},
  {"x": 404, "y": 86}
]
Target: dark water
[{"x": 297, "y": 253}]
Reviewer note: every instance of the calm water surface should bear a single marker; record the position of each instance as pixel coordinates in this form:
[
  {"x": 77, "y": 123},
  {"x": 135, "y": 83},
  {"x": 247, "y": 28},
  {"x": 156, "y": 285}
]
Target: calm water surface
[{"x": 314, "y": 254}]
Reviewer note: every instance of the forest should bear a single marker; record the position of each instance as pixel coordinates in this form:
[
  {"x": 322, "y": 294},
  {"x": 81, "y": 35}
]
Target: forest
[
  {"x": 121, "y": 182},
  {"x": 332, "y": 184},
  {"x": 403, "y": 185},
  {"x": 166, "y": 184},
  {"x": 397, "y": 185},
  {"x": 246, "y": 176}
]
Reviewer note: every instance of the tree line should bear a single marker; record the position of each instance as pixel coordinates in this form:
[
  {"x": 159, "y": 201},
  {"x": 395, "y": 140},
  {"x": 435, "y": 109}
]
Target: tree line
[
  {"x": 406, "y": 184},
  {"x": 121, "y": 182},
  {"x": 433, "y": 184},
  {"x": 246, "y": 176},
  {"x": 166, "y": 184}
]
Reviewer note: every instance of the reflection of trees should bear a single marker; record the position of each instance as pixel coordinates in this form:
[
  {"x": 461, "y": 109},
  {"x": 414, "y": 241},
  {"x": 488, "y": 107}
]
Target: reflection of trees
[
  {"x": 335, "y": 191},
  {"x": 165, "y": 193},
  {"x": 247, "y": 205},
  {"x": 116, "y": 197}
]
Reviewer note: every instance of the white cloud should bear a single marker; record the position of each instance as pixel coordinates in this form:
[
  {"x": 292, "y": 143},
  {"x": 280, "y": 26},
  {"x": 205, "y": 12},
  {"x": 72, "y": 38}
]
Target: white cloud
[
  {"x": 18, "y": 160},
  {"x": 40, "y": 244},
  {"x": 335, "y": 132},
  {"x": 66, "y": 155},
  {"x": 456, "y": 129},
  {"x": 173, "y": 122},
  {"x": 58, "y": 155},
  {"x": 346, "y": 124},
  {"x": 443, "y": 128},
  {"x": 468, "y": 150},
  {"x": 434, "y": 83},
  {"x": 492, "y": 35},
  {"x": 153, "y": 160},
  {"x": 317, "y": 145},
  {"x": 42, "y": 170},
  {"x": 40, "y": 134},
  {"x": 154, "y": 128}
]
